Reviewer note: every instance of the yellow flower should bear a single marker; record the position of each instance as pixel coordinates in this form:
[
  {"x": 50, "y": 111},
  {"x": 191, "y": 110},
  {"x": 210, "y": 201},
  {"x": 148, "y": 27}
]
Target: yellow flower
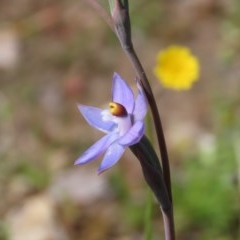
[{"x": 177, "y": 68}]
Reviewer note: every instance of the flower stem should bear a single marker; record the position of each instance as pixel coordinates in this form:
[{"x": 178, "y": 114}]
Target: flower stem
[
  {"x": 152, "y": 172},
  {"x": 122, "y": 24},
  {"x": 130, "y": 52}
]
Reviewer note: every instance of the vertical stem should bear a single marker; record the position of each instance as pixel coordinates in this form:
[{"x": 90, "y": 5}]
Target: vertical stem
[
  {"x": 122, "y": 24},
  {"x": 154, "y": 178},
  {"x": 168, "y": 224},
  {"x": 237, "y": 185},
  {"x": 168, "y": 218},
  {"x": 156, "y": 117}
]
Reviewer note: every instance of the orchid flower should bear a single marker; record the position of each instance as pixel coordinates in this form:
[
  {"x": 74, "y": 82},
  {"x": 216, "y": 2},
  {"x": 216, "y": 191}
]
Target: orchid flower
[{"x": 123, "y": 124}]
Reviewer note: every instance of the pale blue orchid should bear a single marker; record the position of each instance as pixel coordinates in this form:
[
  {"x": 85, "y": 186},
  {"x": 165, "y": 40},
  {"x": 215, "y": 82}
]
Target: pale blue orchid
[{"x": 123, "y": 124}]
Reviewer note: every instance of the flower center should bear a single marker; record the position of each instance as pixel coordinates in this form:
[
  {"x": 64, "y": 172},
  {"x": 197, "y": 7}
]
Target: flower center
[
  {"x": 121, "y": 117},
  {"x": 118, "y": 110}
]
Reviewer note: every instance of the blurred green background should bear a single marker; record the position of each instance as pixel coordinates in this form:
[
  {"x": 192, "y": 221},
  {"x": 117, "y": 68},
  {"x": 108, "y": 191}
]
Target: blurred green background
[{"x": 55, "y": 54}]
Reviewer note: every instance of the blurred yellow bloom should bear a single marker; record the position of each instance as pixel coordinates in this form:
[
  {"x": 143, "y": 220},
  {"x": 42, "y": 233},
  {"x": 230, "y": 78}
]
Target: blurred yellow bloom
[{"x": 177, "y": 68}]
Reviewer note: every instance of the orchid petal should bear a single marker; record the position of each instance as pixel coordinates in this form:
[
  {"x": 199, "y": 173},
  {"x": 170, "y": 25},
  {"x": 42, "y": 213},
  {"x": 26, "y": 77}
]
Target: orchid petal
[
  {"x": 96, "y": 149},
  {"x": 95, "y": 118},
  {"x": 122, "y": 93},
  {"x": 140, "y": 108},
  {"x": 113, "y": 154},
  {"x": 134, "y": 134}
]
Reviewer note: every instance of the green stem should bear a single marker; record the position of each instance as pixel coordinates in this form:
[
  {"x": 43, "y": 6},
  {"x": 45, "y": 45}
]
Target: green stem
[{"x": 148, "y": 231}]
